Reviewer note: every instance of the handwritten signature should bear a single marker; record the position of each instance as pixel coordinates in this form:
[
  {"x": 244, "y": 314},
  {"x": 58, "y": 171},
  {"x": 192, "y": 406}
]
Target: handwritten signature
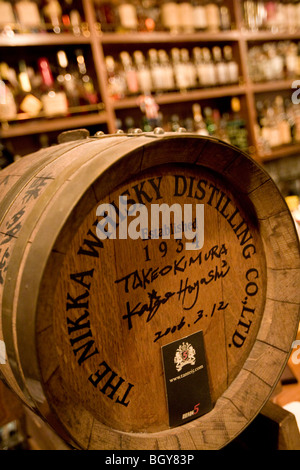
[{"x": 186, "y": 289}]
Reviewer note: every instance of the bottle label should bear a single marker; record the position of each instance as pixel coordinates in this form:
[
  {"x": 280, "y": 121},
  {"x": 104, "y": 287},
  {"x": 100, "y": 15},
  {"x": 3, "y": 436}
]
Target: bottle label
[
  {"x": 6, "y": 14},
  {"x": 128, "y": 16},
  {"x": 55, "y": 103},
  {"x": 170, "y": 15},
  {"x": 31, "y": 105},
  {"x": 28, "y": 14}
]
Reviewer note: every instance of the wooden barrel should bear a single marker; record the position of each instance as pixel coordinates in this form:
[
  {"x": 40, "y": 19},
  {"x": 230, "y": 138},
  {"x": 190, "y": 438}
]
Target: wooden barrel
[{"x": 145, "y": 343}]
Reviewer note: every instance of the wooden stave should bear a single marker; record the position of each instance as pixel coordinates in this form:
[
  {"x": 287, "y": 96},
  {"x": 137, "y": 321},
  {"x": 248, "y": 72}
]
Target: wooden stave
[{"x": 222, "y": 409}]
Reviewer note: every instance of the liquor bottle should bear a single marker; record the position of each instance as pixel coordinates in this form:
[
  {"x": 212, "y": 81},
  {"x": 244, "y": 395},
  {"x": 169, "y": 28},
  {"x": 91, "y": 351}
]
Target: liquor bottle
[
  {"x": 199, "y": 124},
  {"x": 54, "y": 99},
  {"x": 170, "y": 16},
  {"x": 143, "y": 73},
  {"x": 213, "y": 17},
  {"x": 236, "y": 127},
  {"x": 220, "y": 66},
  {"x": 53, "y": 15},
  {"x": 199, "y": 65},
  {"x": 284, "y": 127},
  {"x": 225, "y": 18},
  {"x": 67, "y": 80},
  {"x": 87, "y": 91},
  {"x": 167, "y": 71},
  {"x": 209, "y": 77},
  {"x": 7, "y": 16},
  {"x": 28, "y": 15},
  {"x": 188, "y": 70},
  {"x": 185, "y": 11},
  {"x": 199, "y": 14},
  {"x": 232, "y": 65},
  {"x": 128, "y": 16},
  {"x": 107, "y": 16},
  {"x": 148, "y": 12},
  {"x": 181, "y": 79},
  {"x": 156, "y": 71},
  {"x": 8, "y": 107},
  {"x": 117, "y": 87},
  {"x": 209, "y": 122},
  {"x": 29, "y": 102},
  {"x": 130, "y": 74}
]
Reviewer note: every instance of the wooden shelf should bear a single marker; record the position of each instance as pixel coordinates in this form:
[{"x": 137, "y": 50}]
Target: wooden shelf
[
  {"x": 277, "y": 85},
  {"x": 42, "y": 126},
  {"x": 103, "y": 43},
  {"x": 163, "y": 37},
  {"x": 280, "y": 152},
  {"x": 177, "y": 97},
  {"x": 256, "y": 36},
  {"x": 42, "y": 39}
]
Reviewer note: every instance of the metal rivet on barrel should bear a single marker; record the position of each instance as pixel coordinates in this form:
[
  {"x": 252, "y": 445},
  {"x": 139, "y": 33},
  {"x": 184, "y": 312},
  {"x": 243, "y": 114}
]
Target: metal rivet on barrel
[
  {"x": 99, "y": 134},
  {"x": 137, "y": 131},
  {"x": 120, "y": 131},
  {"x": 182, "y": 130},
  {"x": 158, "y": 130}
]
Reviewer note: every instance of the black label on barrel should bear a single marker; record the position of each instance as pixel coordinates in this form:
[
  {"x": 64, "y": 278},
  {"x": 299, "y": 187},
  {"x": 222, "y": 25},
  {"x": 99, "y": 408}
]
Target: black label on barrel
[{"x": 186, "y": 379}]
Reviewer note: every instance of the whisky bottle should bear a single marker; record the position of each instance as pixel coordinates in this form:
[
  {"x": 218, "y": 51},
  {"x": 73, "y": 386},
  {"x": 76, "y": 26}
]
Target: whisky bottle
[
  {"x": 130, "y": 74},
  {"x": 28, "y": 16},
  {"x": 167, "y": 71},
  {"x": 209, "y": 77},
  {"x": 7, "y": 16},
  {"x": 107, "y": 16},
  {"x": 199, "y": 124},
  {"x": 143, "y": 73},
  {"x": 156, "y": 71},
  {"x": 29, "y": 102},
  {"x": 128, "y": 16},
  {"x": 54, "y": 99},
  {"x": 53, "y": 15},
  {"x": 220, "y": 66},
  {"x": 181, "y": 79},
  {"x": 199, "y": 14},
  {"x": 116, "y": 81},
  {"x": 185, "y": 11},
  {"x": 170, "y": 16},
  {"x": 199, "y": 65},
  {"x": 8, "y": 107},
  {"x": 213, "y": 17},
  {"x": 188, "y": 70},
  {"x": 232, "y": 65},
  {"x": 88, "y": 94},
  {"x": 67, "y": 80},
  {"x": 225, "y": 18}
]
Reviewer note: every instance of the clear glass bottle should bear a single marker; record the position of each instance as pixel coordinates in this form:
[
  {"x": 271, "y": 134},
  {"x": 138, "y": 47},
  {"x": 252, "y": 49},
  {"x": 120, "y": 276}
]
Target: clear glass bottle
[
  {"x": 185, "y": 11},
  {"x": 7, "y": 15},
  {"x": 209, "y": 77},
  {"x": 213, "y": 17},
  {"x": 199, "y": 14},
  {"x": 87, "y": 91},
  {"x": 143, "y": 73},
  {"x": 54, "y": 99},
  {"x": 29, "y": 99},
  {"x": 167, "y": 70},
  {"x": 220, "y": 66},
  {"x": 53, "y": 16},
  {"x": 128, "y": 16},
  {"x": 232, "y": 65},
  {"x": 199, "y": 124},
  {"x": 67, "y": 80},
  {"x": 156, "y": 70},
  {"x": 130, "y": 74},
  {"x": 117, "y": 87},
  {"x": 28, "y": 16},
  {"x": 188, "y": 70},
  {"x": 170, "y": 16}
]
